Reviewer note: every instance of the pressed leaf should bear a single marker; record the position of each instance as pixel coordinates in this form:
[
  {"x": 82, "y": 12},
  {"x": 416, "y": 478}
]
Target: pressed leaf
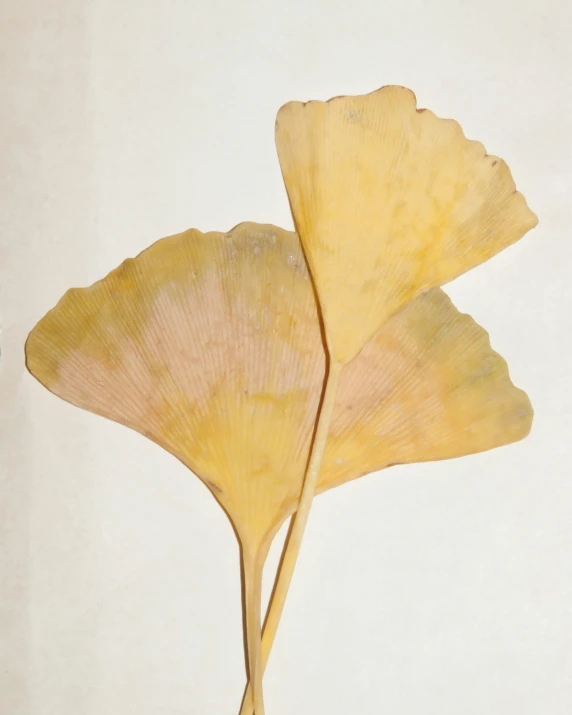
[
  {"x": 428, "y": 386},
  {"x": 209, "y": 344},
  {"x": 389, "y": 201}
]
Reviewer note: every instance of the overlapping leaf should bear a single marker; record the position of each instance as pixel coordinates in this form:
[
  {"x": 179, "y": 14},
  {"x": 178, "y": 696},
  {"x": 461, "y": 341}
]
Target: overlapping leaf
[
  {"x": 210, "y": 345},
  {"x": 389, "y": 201}
]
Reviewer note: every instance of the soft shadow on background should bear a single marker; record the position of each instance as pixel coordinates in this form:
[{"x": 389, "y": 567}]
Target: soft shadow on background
[{"x": 424, "y": 590}]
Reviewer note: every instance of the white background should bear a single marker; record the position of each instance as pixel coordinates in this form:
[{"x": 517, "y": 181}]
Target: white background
[{"x": 441, "y": 589}]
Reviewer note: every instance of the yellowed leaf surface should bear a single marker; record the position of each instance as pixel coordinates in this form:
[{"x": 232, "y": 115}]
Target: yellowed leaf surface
[
  {"x": 389, "y": 201},
  {"x": 428, "y": 386},
  {"x": 209, "y": 344}
]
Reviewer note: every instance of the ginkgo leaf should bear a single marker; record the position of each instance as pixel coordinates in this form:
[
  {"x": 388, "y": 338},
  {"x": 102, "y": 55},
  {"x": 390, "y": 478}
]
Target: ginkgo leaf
[
  {"x": 209, "y": 344},
  {"x": 428, "y": 386},
  {"x": 389, "y": 201}
]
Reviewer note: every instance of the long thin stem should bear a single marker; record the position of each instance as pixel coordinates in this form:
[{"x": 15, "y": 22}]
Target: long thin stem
[
  {"x": 300, "y": 519},
  {"x": 253, "y": 563}
]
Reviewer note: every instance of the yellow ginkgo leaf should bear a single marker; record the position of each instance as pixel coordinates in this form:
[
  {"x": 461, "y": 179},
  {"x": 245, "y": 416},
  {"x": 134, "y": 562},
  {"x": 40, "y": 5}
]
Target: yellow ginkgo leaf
[
  {"x": 389, "y": 201},
  {"x": 210, "y": 345},
  {"x": 427, "y": 386}
]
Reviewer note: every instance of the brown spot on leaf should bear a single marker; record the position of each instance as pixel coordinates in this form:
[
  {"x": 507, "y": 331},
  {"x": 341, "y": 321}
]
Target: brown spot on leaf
[{"x": 213, "y": 487}]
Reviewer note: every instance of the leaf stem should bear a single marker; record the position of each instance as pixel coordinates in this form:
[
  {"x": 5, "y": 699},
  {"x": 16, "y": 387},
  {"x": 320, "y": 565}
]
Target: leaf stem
[
  {"x": 253, "y": 564},
  {"x": 300, "y": 519}
]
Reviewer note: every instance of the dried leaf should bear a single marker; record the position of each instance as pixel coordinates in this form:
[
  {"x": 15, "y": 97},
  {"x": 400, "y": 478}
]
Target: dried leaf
[
  {"x": 428, "y": 386},
  {"x": 389, "y": 201}
]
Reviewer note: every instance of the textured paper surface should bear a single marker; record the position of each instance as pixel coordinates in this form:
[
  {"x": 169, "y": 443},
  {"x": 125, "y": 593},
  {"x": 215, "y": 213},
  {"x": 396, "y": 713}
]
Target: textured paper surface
[{"x": 124, "y": 122}]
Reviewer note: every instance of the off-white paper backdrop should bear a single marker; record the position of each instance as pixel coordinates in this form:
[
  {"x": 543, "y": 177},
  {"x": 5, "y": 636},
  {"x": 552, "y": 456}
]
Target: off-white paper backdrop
[{"x": 442, "y": 589}]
